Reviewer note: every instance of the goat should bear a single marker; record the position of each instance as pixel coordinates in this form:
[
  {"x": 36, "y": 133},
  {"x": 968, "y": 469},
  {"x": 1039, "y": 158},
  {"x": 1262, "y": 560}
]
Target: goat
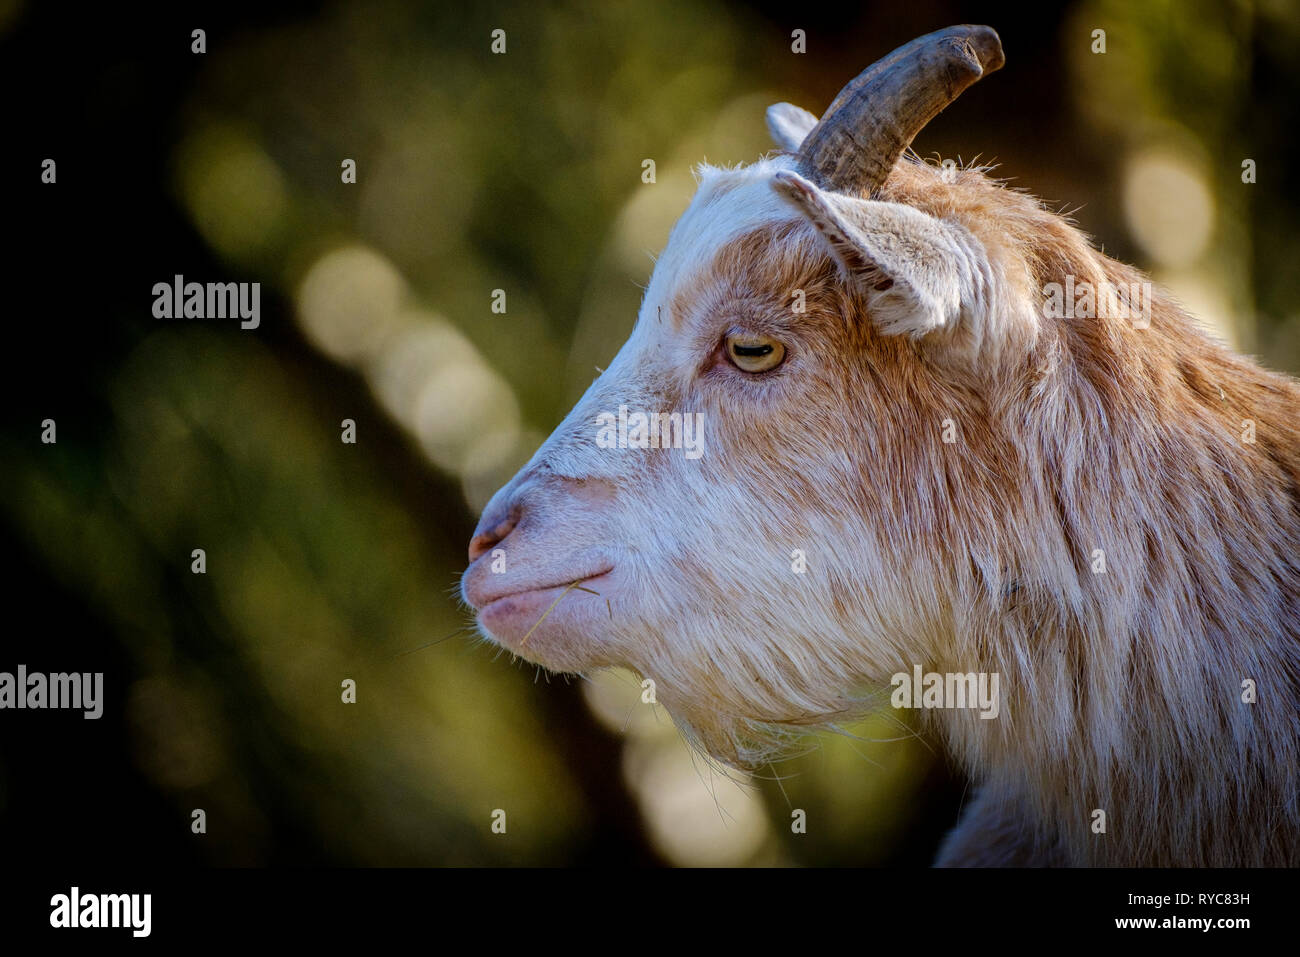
[{"x": 911, "y": 462}]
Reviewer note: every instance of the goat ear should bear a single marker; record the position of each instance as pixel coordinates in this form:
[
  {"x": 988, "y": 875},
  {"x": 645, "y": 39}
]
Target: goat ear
[
  {"x": 913, "y": 269},
  {"x": 789, "y": 124}
]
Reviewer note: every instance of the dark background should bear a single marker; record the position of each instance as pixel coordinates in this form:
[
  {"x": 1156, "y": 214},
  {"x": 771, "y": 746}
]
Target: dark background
[{"x": 475, "y": 172}]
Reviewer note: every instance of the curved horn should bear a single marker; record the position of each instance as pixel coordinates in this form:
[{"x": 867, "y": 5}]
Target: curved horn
[{"x": 867, "y": 127}]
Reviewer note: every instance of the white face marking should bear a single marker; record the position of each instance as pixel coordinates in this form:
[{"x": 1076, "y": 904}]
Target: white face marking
[
  {"x": 692, "y": 569},
  {"x": 692, "y": 558}
]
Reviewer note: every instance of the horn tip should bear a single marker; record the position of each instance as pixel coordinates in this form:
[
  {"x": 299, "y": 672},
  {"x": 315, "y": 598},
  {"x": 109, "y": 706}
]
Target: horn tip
[{"x": 986, "y": 45}]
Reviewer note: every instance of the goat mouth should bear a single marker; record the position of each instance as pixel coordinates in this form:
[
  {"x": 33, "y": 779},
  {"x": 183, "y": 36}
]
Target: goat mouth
[{"x": 575, "y": 584}]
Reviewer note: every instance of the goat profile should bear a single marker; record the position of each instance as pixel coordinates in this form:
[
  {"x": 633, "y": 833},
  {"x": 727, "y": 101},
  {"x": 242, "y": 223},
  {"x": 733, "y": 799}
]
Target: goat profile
[{"x": 913, "y": 461}]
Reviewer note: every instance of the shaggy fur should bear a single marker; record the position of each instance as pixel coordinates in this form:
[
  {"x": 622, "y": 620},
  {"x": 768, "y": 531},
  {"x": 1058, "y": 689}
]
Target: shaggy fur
[
  {"x": 1122, "y": 690},
  {"x": 1126, "y": 686}
]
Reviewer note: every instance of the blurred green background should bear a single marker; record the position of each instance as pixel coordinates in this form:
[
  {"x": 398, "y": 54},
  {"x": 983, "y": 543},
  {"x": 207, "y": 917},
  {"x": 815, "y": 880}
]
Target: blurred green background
[{"x": 475, "y": 172}]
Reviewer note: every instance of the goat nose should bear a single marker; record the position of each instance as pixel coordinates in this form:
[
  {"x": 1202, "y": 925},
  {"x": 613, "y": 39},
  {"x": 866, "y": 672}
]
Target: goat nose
[{"x": 492, "y": 529}]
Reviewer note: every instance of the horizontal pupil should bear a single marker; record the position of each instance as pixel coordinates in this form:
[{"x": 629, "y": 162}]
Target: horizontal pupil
[{"x": 751, "y": 350}]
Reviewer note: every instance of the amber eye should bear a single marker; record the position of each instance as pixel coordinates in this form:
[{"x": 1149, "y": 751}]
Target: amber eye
[{"x": 754, "y": 353}]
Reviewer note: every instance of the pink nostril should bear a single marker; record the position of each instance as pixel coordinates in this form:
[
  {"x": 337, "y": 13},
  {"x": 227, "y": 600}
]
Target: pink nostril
[{"x": 483, "y": 542}]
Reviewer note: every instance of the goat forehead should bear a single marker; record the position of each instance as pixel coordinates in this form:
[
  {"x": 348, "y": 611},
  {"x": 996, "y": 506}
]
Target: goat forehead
[{"x": 727, "y": 205}]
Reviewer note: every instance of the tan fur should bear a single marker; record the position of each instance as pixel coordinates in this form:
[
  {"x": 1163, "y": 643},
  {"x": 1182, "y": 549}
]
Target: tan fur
[
  {"x": 1122, "y": 691},
  {"x": 1125, "y": 687}
]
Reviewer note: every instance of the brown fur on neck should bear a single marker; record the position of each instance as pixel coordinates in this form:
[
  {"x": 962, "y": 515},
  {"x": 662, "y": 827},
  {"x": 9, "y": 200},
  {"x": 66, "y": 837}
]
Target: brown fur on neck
[{"x": 1124, "y": 689}]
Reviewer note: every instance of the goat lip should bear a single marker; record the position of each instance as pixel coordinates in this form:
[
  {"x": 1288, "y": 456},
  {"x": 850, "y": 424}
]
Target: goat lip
[{"x": 491, "y": 600}]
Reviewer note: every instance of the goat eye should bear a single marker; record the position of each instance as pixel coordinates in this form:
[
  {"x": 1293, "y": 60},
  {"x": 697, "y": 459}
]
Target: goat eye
[{"x": 754, "y": 353}]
